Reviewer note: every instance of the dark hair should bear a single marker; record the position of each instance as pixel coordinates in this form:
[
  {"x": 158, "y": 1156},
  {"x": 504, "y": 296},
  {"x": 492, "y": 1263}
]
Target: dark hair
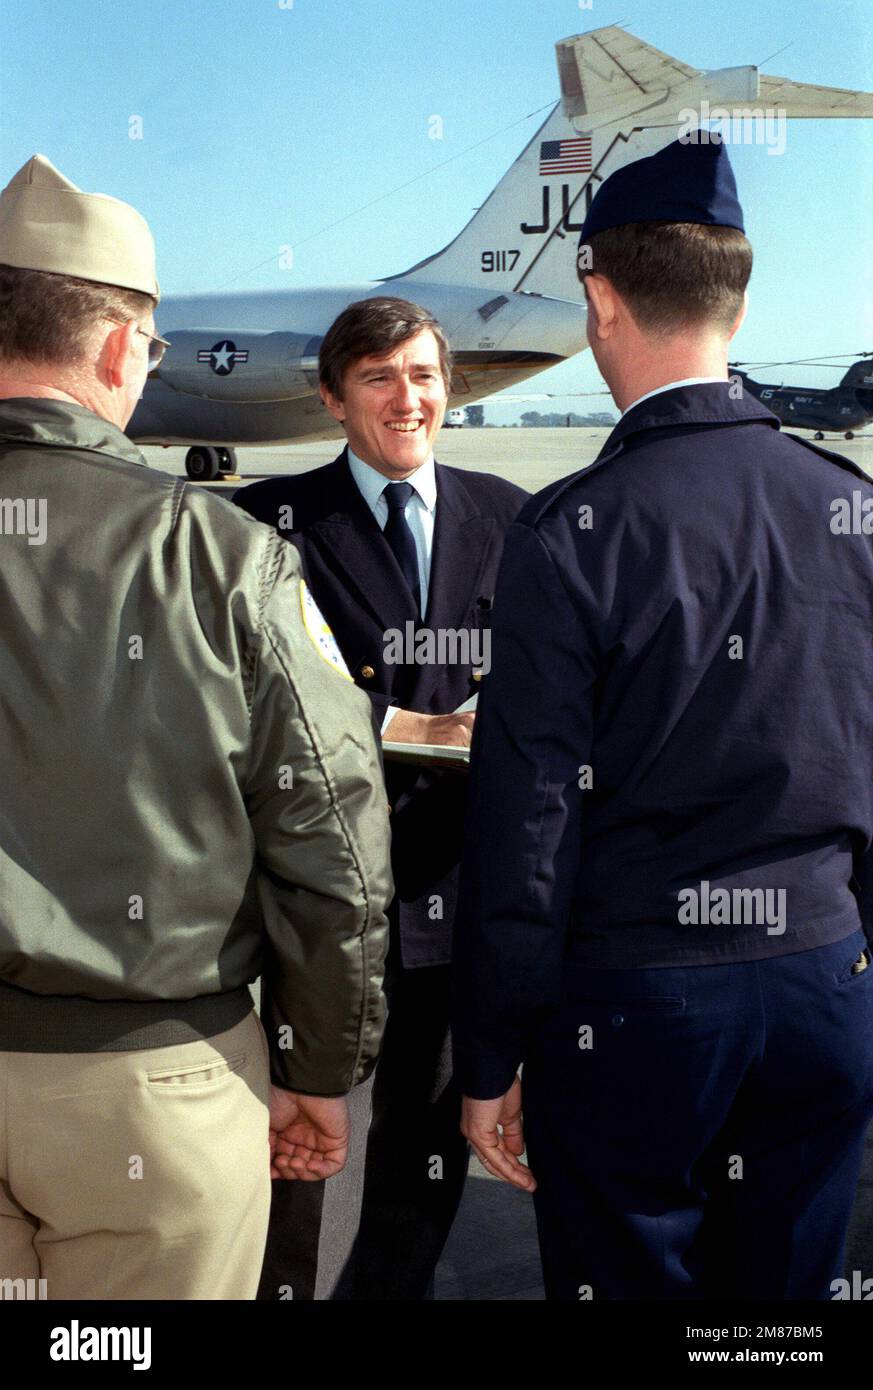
[
  {"x": 375, "y": 327},
  {"x": 50, "y": 318},
  {"x": 673, "y": 275}
]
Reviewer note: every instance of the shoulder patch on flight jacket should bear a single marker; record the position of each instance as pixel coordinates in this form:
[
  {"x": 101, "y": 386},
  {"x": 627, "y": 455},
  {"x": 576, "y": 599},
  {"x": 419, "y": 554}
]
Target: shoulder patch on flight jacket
[{"x": 320, "y": 634}]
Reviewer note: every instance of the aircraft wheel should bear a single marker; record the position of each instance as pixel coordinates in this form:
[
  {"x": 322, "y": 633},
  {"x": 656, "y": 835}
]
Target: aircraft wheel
[
  {"x": 227, "y": 460},
  {"x": 849, "y": 434},
  {"x": 818, "y": 435},
  {"x": 203, "y": 463}
]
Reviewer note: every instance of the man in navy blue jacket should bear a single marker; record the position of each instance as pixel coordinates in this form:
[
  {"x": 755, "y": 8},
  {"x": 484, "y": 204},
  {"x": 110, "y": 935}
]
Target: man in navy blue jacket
[
  {"x": 671, "y": 807},
  {"x": 395, "y": 545}
]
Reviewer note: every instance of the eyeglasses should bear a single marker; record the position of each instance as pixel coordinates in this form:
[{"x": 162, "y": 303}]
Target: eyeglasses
[{"x": 157, "y": 346}]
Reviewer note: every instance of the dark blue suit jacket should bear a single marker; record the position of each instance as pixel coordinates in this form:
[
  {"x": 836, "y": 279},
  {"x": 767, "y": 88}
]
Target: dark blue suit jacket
[
  {"x": 358, "y": 586},
  {"x": 702, "y": 641}
]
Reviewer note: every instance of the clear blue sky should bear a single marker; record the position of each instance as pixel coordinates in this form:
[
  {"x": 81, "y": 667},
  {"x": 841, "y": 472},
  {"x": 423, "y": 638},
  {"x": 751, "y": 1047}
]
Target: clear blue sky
[{"x": 264, "y": 124}]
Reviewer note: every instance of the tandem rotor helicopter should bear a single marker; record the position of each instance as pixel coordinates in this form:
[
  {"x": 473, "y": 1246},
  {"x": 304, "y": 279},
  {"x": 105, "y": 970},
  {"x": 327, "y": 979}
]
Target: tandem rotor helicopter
[{"x": 844, "y": 408}]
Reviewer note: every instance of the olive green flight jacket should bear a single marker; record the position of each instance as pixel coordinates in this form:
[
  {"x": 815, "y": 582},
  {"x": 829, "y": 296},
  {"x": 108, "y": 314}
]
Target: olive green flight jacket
[{"x": 192, "y": 787}]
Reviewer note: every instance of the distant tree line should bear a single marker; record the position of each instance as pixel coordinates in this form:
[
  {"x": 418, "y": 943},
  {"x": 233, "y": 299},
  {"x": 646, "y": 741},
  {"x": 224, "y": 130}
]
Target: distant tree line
[
  {"x": 474, "y": 418},
  {"x": 535, "y": 419}
]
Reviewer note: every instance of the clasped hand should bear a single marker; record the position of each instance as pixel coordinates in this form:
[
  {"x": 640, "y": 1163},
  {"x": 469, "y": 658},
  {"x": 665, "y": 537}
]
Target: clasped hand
[{"x": 309, "y": 1135}]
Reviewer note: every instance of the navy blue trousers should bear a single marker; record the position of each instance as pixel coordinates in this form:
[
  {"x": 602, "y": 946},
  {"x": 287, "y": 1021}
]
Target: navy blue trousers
[{"x": 705, "y": 1139}]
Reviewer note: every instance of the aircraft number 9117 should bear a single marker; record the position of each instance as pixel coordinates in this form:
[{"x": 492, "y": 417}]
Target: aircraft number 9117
[{"x": 497, "y": 260}]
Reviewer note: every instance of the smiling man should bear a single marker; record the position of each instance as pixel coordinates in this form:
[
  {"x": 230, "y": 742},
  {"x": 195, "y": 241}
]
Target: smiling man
[{"x": 389, "y": 537}]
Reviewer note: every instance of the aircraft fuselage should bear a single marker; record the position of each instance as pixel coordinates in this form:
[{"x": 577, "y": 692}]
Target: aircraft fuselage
[
  {"x": 809, "y": 409},
  {"x": 249, "y": 374}
]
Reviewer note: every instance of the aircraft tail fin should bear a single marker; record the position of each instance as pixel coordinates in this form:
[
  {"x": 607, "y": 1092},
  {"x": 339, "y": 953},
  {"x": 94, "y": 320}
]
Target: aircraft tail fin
[
  {"x": 860, "y": 373},
  {"x": 859, "y": 380}
]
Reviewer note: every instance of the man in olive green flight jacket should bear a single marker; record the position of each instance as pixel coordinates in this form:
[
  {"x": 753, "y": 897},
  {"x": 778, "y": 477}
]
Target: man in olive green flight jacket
[{"x": 192, "y": 798}]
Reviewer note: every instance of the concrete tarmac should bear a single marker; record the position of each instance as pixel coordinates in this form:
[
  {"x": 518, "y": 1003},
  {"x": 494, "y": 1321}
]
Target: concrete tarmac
[
  {"x": 532, "y": 458},
  {"x": 492, "y": 1251}
]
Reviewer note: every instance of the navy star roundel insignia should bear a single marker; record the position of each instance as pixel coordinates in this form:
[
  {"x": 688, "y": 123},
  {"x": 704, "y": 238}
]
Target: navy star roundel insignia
[{"x": 223, "y": 356}]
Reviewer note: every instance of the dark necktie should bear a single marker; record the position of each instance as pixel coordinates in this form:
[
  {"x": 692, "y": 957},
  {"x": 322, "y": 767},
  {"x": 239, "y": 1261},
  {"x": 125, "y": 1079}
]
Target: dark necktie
[{"x": 399, "y": 536}]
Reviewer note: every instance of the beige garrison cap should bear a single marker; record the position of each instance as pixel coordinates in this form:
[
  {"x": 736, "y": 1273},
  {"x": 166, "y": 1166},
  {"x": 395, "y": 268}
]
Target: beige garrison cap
[{"x": 47, "y": 223}]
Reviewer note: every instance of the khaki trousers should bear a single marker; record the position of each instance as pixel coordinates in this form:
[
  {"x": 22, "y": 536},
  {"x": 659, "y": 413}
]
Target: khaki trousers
[{"x": 128, "y": 1175}]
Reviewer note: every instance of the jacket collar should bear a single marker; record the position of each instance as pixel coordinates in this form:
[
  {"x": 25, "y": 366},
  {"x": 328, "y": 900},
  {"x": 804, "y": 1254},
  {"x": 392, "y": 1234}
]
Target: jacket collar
[
  {"x": 349, "y": 531},
  {"x": 671, "y": 386},
  {"x": 707, "y": 403},
  {"x": 61, "y": 424}
]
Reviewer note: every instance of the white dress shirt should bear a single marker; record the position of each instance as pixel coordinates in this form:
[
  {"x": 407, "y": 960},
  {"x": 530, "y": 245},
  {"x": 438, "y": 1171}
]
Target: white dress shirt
[
  {"x": 671, "y": 386},
  {"x": 420, "y": 516}
]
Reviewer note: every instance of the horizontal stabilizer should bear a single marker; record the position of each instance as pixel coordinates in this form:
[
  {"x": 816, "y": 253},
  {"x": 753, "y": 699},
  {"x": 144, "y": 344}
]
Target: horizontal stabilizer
[{"x": 805, "y": 101}]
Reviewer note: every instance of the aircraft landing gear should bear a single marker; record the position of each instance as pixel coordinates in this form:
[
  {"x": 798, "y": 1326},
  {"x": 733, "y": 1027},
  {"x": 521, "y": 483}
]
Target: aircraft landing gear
[
  {"x": 818, "y": 435},
  {"x": 204, "y": 462},
  {"x": 850, "y": 434}
]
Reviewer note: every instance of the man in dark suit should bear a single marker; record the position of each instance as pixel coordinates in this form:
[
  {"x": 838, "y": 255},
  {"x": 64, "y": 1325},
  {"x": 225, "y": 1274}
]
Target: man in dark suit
[
  {"x": 401, "y": 554},
  {"x": 662, "y": 910}
]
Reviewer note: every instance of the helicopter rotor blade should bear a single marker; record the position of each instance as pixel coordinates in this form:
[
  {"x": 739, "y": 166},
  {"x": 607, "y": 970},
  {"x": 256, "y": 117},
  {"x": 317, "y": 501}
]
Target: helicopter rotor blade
[{"x": 830, "y": 361}]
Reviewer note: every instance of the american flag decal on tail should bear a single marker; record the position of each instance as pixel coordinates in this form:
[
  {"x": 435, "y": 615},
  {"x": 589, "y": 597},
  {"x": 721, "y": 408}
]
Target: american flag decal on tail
[{"x": 566, "y": 156}]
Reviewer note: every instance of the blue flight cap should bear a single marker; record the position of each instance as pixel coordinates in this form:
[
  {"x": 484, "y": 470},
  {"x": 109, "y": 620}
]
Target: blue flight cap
[{"x": 682, "y": 183}]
